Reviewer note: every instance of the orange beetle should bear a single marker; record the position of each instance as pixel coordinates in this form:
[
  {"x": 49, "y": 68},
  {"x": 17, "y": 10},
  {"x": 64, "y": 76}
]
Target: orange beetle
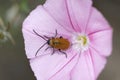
[{"x": 59, "y": 43}]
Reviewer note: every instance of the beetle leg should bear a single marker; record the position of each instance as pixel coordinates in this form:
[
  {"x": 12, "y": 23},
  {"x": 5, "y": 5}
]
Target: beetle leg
[
  {"x": 52, "y": 37},
  {"x": 47, "y": 48},
  {"x": 53, "y": 51},
  {"x": 63, "y": 52},
  {"x": 61, "y": 37}
]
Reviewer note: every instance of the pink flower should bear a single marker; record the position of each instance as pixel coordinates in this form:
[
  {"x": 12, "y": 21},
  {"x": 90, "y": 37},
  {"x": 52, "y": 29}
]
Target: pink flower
[{"x": 82, "y": 25}]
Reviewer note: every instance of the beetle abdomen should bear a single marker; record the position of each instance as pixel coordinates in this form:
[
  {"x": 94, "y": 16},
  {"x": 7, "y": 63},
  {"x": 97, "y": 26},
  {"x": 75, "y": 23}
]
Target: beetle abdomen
[{"x": 59, "y": 43}]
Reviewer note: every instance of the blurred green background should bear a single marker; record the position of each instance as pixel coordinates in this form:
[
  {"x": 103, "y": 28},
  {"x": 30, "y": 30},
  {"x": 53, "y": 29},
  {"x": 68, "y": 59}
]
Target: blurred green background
[{"x": 13, "y": 62}]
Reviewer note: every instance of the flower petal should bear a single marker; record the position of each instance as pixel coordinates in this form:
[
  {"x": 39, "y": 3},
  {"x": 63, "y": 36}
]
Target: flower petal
[
  {"x": 79, "y": 11},
  {"x": 83, "y": 70},
  {"x": 101, "y": 41},
  {"x": 100, "y": 33},
  {"x": 97, "y": 22},
  {"x": 53, "y": 67},
  {"x": 89, "y": 66},
  {"x": 70, "y": 13},
  {"x": 98, "y": 62},
  {"x": 57, "y": 9},
  {"x": 40, "y": 21}
]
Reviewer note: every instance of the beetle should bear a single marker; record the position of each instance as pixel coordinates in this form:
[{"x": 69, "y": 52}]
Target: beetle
[{"x": 57, "y": 43}]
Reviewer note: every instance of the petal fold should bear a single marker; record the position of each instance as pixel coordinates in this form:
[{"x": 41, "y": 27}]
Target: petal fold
[
  {"x": 71, "y": 14},
  {"x": 53, "y": 67},
  {"x": 98, "y": 62},
  {"x": 83, "y": 70},
  {"x": 97, "y": 22},
  {"x": 101, "y": 41},
  {"x": 100, "y": 33}
]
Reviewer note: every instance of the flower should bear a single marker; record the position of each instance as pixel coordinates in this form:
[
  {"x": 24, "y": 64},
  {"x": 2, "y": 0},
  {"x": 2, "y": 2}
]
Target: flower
[{"x": 83, "y": 25}]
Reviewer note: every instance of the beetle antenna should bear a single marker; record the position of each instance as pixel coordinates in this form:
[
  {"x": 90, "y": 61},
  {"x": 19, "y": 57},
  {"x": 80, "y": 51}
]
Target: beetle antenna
[
  {"x": 39, "y": 35},
  {"x": 40, "y": 48}
]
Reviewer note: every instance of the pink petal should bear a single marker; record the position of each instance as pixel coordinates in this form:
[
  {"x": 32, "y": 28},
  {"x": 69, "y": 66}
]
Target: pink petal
[
  {"x": 102, "y": 42},
  {"x": 40, "y": 21},
  {"x": 100, "y": 33},
  {"x": 57, "y": 9},
  {"x": 89, "y": 66},
  {"x": 84, "y": 69},
  {"x": 53, "y": 67},
  {"x": 70, "y": 13},
  {"x": 96, "y": 22},
  {"x": 98, "y": 62}
]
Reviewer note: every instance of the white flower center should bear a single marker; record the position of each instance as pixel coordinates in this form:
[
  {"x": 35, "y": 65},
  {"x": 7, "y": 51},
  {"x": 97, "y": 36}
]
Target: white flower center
[{"x": 80, "y": 42}]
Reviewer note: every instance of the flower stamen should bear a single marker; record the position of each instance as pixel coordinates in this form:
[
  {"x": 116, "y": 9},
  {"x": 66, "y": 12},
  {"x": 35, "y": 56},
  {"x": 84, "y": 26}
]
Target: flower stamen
[{"x": 80, "y": 42}]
